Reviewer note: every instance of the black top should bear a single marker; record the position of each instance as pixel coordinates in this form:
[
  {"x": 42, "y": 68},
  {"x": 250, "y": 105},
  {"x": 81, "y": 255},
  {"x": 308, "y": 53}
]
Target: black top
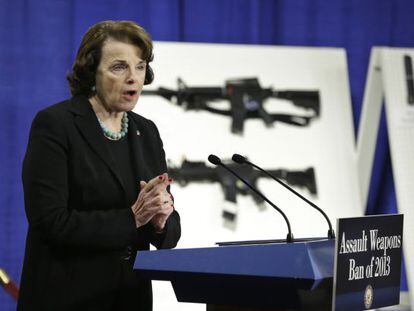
[
  {"x": 77, "y": 240},
  {"x": 121, "y": 153}
]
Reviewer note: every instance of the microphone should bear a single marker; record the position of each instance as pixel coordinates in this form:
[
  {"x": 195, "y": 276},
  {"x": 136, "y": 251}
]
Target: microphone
[
  {"x": 216, "y": 161},
  {"x": 242, "y": 160}
]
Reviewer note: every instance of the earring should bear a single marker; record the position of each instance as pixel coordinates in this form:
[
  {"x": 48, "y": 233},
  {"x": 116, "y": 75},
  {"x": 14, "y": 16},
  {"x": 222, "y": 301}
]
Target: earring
[{"x": 93, "y": 88}]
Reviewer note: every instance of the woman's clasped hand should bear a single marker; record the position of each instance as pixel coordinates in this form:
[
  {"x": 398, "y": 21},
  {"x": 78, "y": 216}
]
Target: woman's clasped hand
[{"x": 154, "y": 203}]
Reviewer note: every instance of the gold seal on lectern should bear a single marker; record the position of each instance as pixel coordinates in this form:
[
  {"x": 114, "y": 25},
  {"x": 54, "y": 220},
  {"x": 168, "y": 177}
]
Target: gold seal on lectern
[{"x": 368, "y": 296}]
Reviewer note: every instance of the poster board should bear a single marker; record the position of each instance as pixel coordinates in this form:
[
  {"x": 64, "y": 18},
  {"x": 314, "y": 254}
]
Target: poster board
[{"x": 387, "y": 83}]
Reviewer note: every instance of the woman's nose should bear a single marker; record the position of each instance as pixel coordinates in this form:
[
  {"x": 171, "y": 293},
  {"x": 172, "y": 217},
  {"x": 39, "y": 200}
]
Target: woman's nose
[{"x": 132, "y": 77}]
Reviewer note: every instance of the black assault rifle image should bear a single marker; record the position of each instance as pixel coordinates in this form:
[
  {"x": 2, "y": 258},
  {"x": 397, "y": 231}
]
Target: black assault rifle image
[
  {"x": 198, "y": 171},
  {"x": 246, "y": 98},
  {"x": 409, "y": 78}
]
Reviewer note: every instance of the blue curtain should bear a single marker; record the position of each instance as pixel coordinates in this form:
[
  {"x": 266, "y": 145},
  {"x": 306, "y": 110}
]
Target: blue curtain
[{"x": 38, "y": 41}]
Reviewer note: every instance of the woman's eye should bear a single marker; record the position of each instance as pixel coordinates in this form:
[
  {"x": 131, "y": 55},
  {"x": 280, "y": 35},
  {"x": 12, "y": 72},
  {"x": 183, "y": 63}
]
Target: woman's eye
[
  {"x": 141, "y": 67},
  {"x": 118, "y": 67}
]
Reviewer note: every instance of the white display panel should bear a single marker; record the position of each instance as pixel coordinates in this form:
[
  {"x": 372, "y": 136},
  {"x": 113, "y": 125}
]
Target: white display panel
[
  {"x": 387, "y": 79},
  {"x": 327, "y": 144}
]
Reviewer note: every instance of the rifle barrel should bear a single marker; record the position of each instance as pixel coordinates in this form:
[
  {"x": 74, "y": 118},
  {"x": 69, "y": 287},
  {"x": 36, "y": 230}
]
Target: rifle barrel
[{"x": 150, "y": 92}]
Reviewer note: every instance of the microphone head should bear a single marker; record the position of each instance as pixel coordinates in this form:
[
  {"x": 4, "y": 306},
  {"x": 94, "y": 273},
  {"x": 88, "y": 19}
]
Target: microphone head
[
  {"x": 238, "y": 158},
  {"x": 214, "y": 159}
]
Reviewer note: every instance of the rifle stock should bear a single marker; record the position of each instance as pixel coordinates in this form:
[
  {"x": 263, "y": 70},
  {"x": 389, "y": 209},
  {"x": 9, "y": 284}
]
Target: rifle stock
[
  {"x": 304, "y": 99},
  {"x": 302, "y": 179}
]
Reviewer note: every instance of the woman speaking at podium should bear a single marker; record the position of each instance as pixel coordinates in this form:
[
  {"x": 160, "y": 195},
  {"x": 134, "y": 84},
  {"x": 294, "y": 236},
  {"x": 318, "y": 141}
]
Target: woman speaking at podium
[{"x": 95, "y": 183}]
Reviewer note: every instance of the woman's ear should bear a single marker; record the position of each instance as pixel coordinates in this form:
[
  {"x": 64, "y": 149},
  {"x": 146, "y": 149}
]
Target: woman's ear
[{"x": 149, "y": 75}]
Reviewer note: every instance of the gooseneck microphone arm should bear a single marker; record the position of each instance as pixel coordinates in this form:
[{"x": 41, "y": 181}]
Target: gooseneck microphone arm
[
  {"x": 242, "y": 160},
  {"x": 216, "y": 161}
]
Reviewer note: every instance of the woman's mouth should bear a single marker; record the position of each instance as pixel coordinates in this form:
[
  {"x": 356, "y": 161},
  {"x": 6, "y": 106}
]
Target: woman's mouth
[{"x": 130, "y": 94}]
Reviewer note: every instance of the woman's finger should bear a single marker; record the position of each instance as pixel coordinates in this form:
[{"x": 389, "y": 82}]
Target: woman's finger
[
  {"x": 155, "y": 181},
  {"x": 159, "y": 189}
]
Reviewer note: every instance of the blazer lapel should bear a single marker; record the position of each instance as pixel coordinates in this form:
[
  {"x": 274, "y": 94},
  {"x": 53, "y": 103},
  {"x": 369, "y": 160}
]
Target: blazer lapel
[
  {"x": 88, "y": 125},
  {"x": 135, "y": 140}
]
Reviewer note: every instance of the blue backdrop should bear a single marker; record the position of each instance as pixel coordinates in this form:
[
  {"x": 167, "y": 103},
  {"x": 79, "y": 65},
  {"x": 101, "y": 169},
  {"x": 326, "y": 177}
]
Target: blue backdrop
[{"x": 38, "y": 41}]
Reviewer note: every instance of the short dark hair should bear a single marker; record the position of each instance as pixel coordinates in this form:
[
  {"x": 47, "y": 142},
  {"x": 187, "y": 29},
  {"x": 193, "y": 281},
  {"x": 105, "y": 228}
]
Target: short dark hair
[{"x": 82, "y": 78}]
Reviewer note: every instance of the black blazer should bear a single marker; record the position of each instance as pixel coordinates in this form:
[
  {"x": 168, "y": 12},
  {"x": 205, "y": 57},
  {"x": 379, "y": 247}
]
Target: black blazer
[{"x": 82, "y": 237}]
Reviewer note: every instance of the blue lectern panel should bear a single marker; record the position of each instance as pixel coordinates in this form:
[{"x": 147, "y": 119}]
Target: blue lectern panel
[
  {"x": 310, "y": 260},
  {"x": 250, "y": 275}
]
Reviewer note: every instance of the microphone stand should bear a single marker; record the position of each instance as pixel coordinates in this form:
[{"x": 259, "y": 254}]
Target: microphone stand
[
  {"x": 242, "y": 160},
  {"x": 216, "y": 161}
]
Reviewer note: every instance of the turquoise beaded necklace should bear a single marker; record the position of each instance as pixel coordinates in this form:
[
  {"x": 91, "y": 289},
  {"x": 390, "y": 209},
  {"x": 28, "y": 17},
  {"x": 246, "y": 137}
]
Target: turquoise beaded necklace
[{"x": 115, "y": 135}]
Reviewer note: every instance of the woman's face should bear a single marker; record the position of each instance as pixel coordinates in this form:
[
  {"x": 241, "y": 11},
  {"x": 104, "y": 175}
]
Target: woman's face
[{"x": 120, "y": 76}]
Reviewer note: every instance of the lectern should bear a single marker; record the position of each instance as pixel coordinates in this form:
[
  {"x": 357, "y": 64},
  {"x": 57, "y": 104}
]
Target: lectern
[{"x": 262, "y": 276}]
